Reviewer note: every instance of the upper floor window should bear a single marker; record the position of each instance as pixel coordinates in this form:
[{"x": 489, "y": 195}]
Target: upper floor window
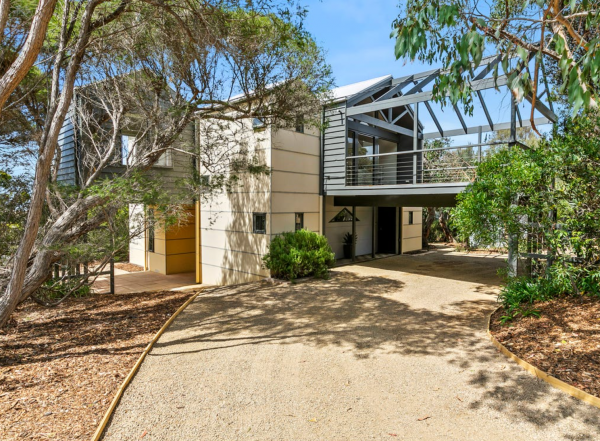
[
  {"x": 127, "y": 149},
  {"x": 299, "y": 221},
  {"x": 411, "y": 217},
  {"x": 259, "y": 223},
  {"x": 257, "y": 123}
]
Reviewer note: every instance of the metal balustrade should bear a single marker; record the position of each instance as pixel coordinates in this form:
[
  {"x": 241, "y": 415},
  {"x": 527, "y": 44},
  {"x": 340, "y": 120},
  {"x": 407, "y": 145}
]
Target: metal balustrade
[{"x": 454, "y": 164}]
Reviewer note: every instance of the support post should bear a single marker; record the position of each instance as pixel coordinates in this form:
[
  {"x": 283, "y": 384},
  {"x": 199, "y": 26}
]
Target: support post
[
  {"x": 198, "y": 237},
  {"x": 415, "y": 141},
  {"x": 112, "y": 275},
  {"x": 353, "y": 233},
  {"x": 479, "y": 141},
  {"x": 513, "y": 255},
  {"x": 373, "y": 232},
  {"x": 513, "y": 119}
]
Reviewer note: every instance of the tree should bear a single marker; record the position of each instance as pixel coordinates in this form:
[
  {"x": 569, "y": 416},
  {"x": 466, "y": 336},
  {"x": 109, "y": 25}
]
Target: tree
[
  {"x": 546, "y": 197},
  {"x": 565, "y": 33},
  {"x": 25, "y": 39},
  {"x": 154, "y": 71}
]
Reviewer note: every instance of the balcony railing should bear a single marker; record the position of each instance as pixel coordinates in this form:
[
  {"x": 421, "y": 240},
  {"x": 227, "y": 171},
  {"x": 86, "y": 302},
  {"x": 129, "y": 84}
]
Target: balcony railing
[{"x": 455, "y": 164}]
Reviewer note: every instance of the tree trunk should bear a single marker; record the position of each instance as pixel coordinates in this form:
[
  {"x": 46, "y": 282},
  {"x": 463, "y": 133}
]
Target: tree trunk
[
  {"x": 31, "y": 49},
  {"x": 427, "y": 225},
  {"x": 55, "y": 119},
  {"x": 443, "y": 220}
]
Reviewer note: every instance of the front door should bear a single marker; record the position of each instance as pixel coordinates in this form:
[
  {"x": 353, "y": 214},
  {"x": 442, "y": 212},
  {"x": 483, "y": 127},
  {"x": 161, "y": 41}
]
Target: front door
[{"x": 386, "y": 230}]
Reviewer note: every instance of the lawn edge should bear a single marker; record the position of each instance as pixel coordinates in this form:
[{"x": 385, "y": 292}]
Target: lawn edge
[
  {"x": 100, "y": 430},
  {"x": 552, "y": 381}
]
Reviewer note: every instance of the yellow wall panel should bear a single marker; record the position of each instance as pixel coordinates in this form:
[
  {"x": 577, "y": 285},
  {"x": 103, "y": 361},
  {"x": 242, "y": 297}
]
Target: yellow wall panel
[{"x": 181, "y": 263}]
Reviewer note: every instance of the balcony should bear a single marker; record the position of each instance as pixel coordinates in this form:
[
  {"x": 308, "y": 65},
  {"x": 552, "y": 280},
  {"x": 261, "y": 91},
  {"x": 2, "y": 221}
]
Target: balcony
[{"x": 444, "y": 165}]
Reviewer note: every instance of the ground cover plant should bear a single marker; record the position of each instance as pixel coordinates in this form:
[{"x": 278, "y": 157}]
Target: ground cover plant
[{"x": 299, "y": 254}]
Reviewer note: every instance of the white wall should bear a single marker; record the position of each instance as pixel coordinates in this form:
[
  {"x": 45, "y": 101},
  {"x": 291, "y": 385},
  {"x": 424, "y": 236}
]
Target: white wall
[{"x": 335, "y": 231}]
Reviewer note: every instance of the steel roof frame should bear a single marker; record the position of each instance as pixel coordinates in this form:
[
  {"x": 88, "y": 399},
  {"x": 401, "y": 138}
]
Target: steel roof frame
[{"x": 394, "y": 97}]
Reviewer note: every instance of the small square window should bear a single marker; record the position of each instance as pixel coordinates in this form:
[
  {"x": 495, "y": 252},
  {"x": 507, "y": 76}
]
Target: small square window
[
  {"x": 257, "y": 123},
  {"x": 300, "y": 124},
  {"x": 411, "y": 218},
  {"x": 151, "y": 230},
  {"x": 259, "y": 223},
  {"x": 299, "y": 221}
]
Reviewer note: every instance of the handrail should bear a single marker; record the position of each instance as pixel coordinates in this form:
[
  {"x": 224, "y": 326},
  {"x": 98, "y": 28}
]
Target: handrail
[{"x": 412, "y": 152}]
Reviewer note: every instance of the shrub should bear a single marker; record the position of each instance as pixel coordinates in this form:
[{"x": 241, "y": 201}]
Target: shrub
[{"x": 299, "y": 254}]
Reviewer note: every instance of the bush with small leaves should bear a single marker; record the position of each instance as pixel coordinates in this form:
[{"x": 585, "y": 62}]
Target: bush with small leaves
[{"x": 299, "y": 254}]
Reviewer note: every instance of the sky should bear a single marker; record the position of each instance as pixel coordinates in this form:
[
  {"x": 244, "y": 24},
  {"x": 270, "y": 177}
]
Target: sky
[{"x": 356, "y": 37}]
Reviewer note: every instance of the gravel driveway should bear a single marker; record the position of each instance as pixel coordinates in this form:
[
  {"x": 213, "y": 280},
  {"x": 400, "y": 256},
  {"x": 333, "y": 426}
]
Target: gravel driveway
[{"x": 390, "y": 349}]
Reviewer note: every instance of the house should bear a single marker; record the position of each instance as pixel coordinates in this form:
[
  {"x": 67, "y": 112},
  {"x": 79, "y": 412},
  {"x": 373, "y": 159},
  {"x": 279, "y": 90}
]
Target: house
[{"x": 368, "y": 172}]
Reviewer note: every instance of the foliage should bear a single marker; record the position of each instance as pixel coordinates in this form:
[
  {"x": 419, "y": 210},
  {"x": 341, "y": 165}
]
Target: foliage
[
  {"x": 347, "y": 240},
  {"x": 299, "y": 254},
  {"x": 547, "y": 197},
  {"x": 519, "y": 30},
  {"x": 14, "y": 203}
]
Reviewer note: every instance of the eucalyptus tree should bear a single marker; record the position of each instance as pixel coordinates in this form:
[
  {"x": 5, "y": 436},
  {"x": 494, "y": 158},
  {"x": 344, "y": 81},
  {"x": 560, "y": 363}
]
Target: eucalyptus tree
[
  {"x": 459, "y": 33},
  {"x": 157, "y": 68}
]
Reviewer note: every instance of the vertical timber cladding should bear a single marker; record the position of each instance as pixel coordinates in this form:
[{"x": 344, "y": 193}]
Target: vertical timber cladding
[{"x": 334, "y": 147}]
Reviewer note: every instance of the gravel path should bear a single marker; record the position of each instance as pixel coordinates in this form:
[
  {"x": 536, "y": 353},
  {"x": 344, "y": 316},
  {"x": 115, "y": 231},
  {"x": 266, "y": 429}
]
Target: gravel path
[{"x": 391, "y": 349}]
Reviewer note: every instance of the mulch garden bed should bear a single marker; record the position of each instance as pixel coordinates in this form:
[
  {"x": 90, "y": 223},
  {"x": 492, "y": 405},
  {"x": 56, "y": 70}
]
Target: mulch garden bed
[
  {"x": 61, "y": 367},
  {"x": 129, "y": 267},
  {"x": 564, "y": 342}
]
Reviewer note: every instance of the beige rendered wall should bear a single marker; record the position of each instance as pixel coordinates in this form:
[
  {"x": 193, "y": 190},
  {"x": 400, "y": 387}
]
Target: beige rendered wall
[
  {"x": 230, "y": 252},
  {"x": 335, "y": 231},
  {"x": 412, "y": 234},
  {"x": 295, "y": 180}
]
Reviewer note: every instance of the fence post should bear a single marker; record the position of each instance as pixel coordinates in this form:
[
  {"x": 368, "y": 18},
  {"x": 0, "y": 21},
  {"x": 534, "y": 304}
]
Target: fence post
[{"x": 112, "y": 275}]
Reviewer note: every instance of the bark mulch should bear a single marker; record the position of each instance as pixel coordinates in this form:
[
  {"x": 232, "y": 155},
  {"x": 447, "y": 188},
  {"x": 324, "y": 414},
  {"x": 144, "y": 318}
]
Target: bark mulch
[
  {"x": 129, "y": 267},
  {"x": 60, "y": 367},
  {"x": 564, "y": 341}
]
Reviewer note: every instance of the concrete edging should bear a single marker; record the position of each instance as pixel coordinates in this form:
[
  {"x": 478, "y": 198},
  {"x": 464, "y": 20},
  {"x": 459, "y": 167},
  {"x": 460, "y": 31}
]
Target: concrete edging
[
  {"x": 121, "y": 390},
  {"x": 552, "y": 381}
]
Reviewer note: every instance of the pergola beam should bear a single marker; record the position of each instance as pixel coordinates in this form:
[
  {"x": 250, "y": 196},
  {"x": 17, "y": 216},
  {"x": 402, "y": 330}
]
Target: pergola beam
[
  {"x": 485, "y": 83},
  {"x": 475, "y": 130},
  {"x": 395, "y": 89},
  {"x": 383, "y": 125},
  {"x": 543, "y": 109}
]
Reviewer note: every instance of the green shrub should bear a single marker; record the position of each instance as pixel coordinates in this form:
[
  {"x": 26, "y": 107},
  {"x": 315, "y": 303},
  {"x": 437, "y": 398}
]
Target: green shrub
[{"x": 299, "y": 254}]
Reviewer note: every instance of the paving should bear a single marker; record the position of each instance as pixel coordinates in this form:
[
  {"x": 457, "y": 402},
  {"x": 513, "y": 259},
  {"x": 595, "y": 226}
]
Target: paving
[
  {"x": 394, "y": 348},
  {"x": 144, "y": 281}
]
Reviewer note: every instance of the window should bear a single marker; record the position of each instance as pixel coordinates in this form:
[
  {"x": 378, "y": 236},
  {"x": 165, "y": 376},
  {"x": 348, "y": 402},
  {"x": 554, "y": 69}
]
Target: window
[
  {"x": 300, "y": 124},
  {"x": 259, "y": 223},
  {"x": 299, "y": 221},
  {"x": 151, "y": 230},
  {"x": 257, "y": 123},
  {"x": 364, "y": 146},
  {"x": 127, "y": 149},
  {"x": 164, "y": 160},
  {"x": 411, "y": 218}
]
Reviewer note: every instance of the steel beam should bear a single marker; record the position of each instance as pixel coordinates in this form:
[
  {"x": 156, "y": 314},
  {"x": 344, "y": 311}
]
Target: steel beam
[
  {"x": 486, "y": 83},
  {"x": 383, "y": 125},
  {"x": 475, "y": 130}
]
